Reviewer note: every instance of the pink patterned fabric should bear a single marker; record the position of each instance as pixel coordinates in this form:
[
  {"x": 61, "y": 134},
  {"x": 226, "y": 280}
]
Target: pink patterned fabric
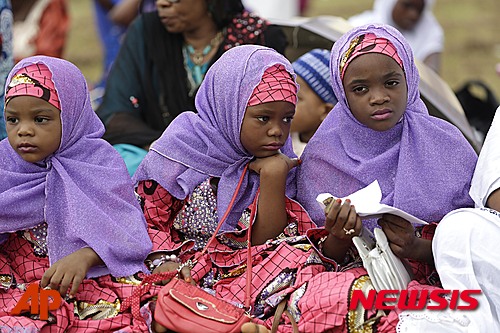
[
  {"x": 368, "y": 43},
  {"x": 276, "y": 85},
  {"x": 318, "y": 290},
  {"x": 34, "y": 80},
  {"x": 21, "y": 266}
]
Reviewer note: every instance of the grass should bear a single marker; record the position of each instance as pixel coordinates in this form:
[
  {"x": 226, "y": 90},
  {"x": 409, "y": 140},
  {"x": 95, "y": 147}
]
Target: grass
[{"x": 472, "y": 46}]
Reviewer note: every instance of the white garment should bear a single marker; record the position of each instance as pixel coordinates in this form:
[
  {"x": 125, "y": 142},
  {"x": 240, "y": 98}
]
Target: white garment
[
  {"x": 466, "y": 245},
  {"x": 273, "y": 9},
  {"x": 26, "y": 31},
  {"x": 487, "y": 174},
  {"x": 298, "y": 146},
  {"x": 425, "y": 39},
  {"x": 466, "y": 251}
]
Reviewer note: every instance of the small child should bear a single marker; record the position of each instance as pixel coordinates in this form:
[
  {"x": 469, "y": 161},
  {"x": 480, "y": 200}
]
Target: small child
[
  {"x": 69, "y": 216},
  {"x": 315, "y": 96}
]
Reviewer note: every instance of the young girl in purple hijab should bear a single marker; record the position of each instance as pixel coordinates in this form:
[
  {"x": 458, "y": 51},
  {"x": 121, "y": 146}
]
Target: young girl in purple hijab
[
  {"x": 69, "y": 220},
  {"x": 381, "y": 130}
]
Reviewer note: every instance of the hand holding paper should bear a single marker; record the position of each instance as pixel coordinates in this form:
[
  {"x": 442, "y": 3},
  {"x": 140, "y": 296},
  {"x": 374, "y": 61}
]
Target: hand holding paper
[{"x": 367, "y": 202}]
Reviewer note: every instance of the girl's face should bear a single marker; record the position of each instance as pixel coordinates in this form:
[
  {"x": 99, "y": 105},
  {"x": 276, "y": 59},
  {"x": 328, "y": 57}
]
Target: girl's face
[
  {"x": 375, "y": 88},
  {"x": 310, "y": 111},
  {"x": 266, "y": 127},
  {"x": 407, "y": 13},
  {"x": 34, "y": 127}
]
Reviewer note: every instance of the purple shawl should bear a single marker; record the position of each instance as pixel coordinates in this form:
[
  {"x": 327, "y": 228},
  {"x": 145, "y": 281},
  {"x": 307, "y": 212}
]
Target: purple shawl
[
  {"x": 83, "y": 191},
  {"x": 424, "y": 165},
  {"x": 196, "y": 146}
]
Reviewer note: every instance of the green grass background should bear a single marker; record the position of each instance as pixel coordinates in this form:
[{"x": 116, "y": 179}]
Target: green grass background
[{"x": 472, "y": 34}]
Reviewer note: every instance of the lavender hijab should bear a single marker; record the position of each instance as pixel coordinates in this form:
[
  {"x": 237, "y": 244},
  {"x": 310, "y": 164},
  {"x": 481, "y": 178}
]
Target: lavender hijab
[
  {"x": 424, "y": 165},
  {"x": 196, "y": 146},
  {"x": 82, "y": 191}
]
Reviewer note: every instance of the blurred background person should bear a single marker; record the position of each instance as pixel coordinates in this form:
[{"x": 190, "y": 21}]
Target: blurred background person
[
  {"x": 415, "y": 20},
  {"x": 315, "y": 96},
  {"x": 6, "y": 59},
  {"x": 40, "y": 27}
]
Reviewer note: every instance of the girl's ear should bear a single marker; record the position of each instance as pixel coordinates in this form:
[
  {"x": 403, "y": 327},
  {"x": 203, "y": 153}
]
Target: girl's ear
[{"x": 327, "y": 107}]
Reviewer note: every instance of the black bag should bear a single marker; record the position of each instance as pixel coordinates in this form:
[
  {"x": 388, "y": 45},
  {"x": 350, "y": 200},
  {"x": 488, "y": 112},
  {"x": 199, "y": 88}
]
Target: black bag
[{"x": 479, "y": 104}]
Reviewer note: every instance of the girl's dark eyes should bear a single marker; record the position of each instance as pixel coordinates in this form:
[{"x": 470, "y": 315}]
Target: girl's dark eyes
[
  {"x": 288, "y": 119},
  {"x": 41, "y": 119},
  {"x": 263, "y": 118},
  {"x": 11, "y": 120}
]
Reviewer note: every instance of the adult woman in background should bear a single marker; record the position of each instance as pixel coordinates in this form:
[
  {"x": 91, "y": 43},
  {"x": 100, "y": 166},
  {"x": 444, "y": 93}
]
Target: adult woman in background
[
  {"x": 415, "y": 20},
  {"x": 162, "y": 62}
]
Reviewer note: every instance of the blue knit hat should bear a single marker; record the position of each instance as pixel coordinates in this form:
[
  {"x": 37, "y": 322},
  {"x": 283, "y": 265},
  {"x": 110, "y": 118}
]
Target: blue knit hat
[{"x": 313, "y": 67}]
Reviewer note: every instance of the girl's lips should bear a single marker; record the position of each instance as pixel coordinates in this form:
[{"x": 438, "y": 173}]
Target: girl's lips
[
  {"x": 382, "y": 114},
  {"x": 27, "y": 149},
  {"x": 272, "y": 147}
]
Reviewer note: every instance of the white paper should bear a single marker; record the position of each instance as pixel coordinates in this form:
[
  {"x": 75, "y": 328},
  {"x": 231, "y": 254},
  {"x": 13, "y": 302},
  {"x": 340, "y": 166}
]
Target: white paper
[{"x": 368, "y": 206}]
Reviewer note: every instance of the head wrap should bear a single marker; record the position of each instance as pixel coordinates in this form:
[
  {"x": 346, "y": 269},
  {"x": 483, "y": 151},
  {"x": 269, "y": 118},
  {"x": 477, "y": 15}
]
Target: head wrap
[
  {"x": 314, "y": 68},
  {"x": 413, "y": 163},
  {"x": 427, "y": 37},
  {"x": 197, "y": 146},
  {"x": 276, "y": 85},
  {"x": 82, "y": 191},
  {"x": 368, "y": 43},
  {"x": 33, "y": 80}
]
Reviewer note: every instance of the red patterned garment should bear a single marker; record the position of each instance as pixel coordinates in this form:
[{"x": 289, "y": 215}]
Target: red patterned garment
[
  {"x": 318, "y": 289},
  {"x": 96, "y": 307}
]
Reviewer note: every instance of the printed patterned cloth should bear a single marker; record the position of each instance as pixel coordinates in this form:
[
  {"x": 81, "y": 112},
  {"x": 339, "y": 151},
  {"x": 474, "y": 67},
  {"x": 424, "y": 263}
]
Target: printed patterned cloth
[
  {"x": 23, "y": 260},
  {"x": 318, "y": 289}
]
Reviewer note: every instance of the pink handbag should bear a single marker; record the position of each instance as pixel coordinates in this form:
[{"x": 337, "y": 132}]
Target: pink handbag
[{"x": 186, "y": 308}]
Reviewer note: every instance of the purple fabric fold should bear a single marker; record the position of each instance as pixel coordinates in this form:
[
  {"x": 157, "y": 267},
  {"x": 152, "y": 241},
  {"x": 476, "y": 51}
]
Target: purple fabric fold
[
  {"x": 82, "y": 191},
  {"x": 196, "y": 146},
  {"x": 424, "y": 165}
]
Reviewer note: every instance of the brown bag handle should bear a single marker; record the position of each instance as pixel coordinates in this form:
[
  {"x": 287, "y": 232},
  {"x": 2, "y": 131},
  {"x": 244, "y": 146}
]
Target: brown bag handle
[{"x": 277, "y": 315}]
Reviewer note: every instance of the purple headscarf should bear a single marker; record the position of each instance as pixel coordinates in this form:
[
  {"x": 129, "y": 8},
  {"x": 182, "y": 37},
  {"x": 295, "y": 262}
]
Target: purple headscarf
[
  {"x": 196, "y": 146},
  {"x": 424, "y": 165},
  {"x": 82, "y": 191}
]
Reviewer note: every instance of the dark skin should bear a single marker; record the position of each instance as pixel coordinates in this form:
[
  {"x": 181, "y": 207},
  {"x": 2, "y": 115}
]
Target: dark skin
[
  {"x": 70, "y": 271},
  {"x": 493, "y": 201}
]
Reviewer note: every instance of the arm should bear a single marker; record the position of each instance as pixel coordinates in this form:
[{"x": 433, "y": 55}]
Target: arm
[{"x": 271, "y": 212}]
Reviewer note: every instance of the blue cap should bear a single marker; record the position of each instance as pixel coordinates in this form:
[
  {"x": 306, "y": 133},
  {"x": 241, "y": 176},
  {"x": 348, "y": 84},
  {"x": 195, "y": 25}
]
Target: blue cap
[{"x": 313, "y": 67}]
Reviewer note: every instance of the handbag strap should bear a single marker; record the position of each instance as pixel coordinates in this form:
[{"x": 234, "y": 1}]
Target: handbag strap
[
  {"x": 134, "y": 300},
  {"x": 280, "y": 309},
  {"x": 249, "y": 235}
]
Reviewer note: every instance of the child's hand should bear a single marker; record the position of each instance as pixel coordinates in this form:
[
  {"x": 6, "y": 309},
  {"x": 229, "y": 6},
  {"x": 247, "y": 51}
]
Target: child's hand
[
  {"x": 278, "y": 163},
  {"x": 170, "y": 266},
  {"x": 70, "y": 271},
  {"x": 403, "y": 241},
  {"x": 342, "y": 221}
]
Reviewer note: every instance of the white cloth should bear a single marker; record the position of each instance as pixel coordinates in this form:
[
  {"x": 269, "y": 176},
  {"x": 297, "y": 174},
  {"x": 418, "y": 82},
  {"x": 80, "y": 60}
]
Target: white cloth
[
  {"x": 466, "y": 245},
  {"x": 486, "y": 177},
  {"x": 298, "y": 146},
  {"x": 425, "y": 39},
  {"x": 466, "y": 252}
]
